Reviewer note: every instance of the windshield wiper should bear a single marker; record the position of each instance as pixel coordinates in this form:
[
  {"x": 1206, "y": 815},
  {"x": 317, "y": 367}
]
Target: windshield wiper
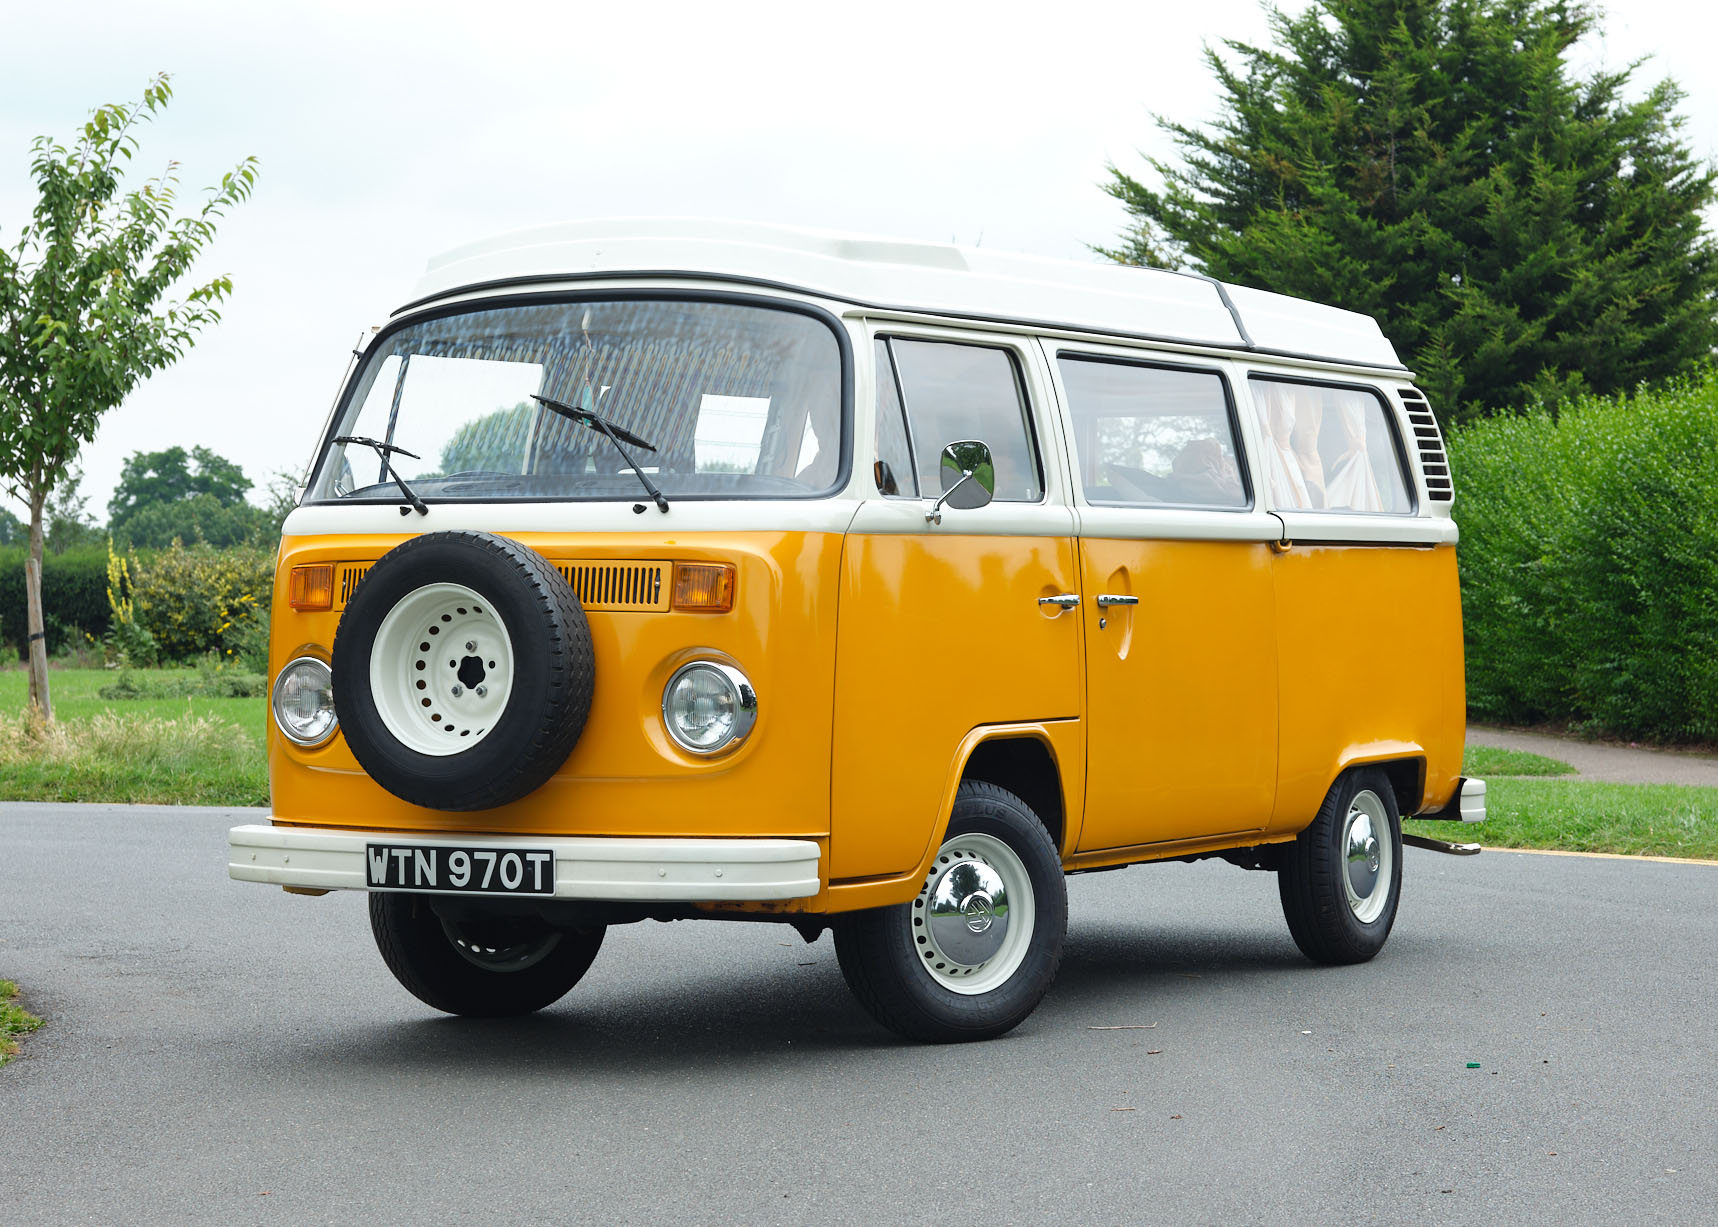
[
  {"x": 384, "y": 450},
  {"x": 614, "y": 434}
]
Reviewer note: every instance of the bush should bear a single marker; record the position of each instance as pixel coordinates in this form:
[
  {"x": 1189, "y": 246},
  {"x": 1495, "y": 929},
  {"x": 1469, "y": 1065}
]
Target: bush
[
  {"x": 1589, "y": 562},
  {"x": 74, "y": 596},
  {"x": 195, "y": 599},
  {"x": 211, "y": 679}
]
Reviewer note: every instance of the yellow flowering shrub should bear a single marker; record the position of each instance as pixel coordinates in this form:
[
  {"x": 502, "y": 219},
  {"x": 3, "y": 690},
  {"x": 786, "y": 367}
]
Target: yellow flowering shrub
[{"x": 195, "y": 599}]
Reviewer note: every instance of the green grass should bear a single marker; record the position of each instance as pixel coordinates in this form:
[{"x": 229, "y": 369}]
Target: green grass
[
  {"x": 185, "y": 751},
  {"x": 1585, "y": 816},
  {"x": 15, "y": 1020},
  {"x": 1485, "y": 762}
]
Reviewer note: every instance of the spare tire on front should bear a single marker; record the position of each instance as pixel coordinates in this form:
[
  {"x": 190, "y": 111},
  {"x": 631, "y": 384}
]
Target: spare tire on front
[{"x": 463, "y": 671}]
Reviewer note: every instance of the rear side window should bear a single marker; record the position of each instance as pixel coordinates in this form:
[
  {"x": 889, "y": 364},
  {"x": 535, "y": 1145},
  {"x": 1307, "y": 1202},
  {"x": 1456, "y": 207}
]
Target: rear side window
[
  {"x": 1329, "y": 448},
  {"x": 1153, "y": 436},
  {"x": 950, "y": 392}
]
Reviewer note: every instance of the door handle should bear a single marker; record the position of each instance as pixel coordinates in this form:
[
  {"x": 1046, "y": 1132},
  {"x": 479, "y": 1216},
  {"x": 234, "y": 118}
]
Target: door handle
[
  {"x": 1105, "y": 601},
  {"x": 1067, "y": 600}
]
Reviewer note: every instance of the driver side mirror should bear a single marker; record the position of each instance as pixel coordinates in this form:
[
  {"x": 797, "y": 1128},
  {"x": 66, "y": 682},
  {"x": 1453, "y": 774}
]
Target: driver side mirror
[{"x": 968, "y": 478}]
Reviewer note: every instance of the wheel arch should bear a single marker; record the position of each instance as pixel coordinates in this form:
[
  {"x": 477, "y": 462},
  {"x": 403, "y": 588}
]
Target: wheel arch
[
  {"x": 1026, "y": 765},
  {"x": 1403, "y": 763}
]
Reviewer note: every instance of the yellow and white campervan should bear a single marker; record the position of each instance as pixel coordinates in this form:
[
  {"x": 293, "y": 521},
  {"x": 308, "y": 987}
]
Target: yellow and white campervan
[{"x": 691, "y": 569}]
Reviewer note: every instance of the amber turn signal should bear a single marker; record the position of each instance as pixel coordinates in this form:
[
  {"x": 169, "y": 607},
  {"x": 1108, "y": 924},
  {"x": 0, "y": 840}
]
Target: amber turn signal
[
  {"x": 704, "y": 587},
  {"x": 311, "y": 587}
]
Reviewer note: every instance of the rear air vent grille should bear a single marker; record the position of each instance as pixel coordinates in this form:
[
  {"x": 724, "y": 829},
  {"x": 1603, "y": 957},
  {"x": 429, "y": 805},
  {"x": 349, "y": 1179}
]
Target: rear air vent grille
[
  {"x": 618, "y": 586},
  {"x": 1430, "y": 444}
]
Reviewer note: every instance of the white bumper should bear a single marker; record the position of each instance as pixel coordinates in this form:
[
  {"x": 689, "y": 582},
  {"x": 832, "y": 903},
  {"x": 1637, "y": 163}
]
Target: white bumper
[
  {"x": 1471, "y": 801},
  {"x": 648, "y": 870}
]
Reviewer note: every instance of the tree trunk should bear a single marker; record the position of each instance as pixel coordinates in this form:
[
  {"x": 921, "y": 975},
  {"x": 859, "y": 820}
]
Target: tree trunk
[{"x": 33, "y": 602}]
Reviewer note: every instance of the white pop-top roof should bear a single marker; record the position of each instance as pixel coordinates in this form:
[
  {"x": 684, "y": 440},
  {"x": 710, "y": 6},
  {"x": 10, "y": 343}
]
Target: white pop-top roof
[{"x": 934, "y": 278}]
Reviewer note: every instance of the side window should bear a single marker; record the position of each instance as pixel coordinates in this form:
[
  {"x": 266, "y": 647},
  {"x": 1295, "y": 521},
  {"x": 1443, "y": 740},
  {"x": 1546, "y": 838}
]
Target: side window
[
  {"x": 1149, "y": 435},
  {"x": 1329, "y": 449},
  {"x": 894, "y": 472},
  {"x": 955, "y": 391}
]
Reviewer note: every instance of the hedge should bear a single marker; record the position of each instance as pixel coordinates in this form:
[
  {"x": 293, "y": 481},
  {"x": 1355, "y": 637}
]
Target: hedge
[
  {"x": 74, "y": 595},
  {"x": 191, "y": 599},
  {"x": 1589, "y": 563}
]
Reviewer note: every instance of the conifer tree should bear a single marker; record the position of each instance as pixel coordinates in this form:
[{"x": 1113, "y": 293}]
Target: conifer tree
[{"x": 1520, "y": 233}]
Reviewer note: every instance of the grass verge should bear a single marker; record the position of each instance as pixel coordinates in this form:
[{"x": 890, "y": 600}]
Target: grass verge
[
  {"x": 196, "y": 750},
  {"x": 182, "y": 760},
  {"x": 1484, "y": 762},
  {"x": 15, "y": 1020},
  {"x": 1584, "y": 816}
]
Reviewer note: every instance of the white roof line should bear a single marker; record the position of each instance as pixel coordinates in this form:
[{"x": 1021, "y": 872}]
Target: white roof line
[{"x": 932, "y": 278}]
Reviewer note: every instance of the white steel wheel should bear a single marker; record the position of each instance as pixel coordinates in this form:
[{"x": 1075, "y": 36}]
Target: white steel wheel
[
  {"x": 502, "y": 949},
  {"x": 1341, "y": 880},
  {"x": 972, "y": 955},
  {"x": 972, "y": 921},
  {"x": 1368, "y": 857},
  {"x": 441, "y": 669}
]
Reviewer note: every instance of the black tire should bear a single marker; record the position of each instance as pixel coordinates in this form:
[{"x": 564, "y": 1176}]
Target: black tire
[
  {"x": 491, "y": 967},
  {"x": 1340, "y": 902},
  {"x": 499, "y": 747},
  {"x": 883, "y": 952}
]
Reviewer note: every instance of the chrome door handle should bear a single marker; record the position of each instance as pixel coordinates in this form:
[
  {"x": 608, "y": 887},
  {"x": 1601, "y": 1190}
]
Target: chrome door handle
[
  {"x": 1067, "y": 600},
  {"x": 1104, "y": 601}
]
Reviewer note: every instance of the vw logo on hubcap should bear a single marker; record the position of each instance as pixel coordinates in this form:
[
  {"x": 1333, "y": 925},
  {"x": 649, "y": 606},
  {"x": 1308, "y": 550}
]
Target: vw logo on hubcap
[{"x": 978, "y": 911}]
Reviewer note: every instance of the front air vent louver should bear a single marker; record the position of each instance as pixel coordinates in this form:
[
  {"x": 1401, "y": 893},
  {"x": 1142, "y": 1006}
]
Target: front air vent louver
[
  {"x": 618, "y": 586},
  {"x": 1429, "y": 442},
  {"x": 350, "y": 574},
  {"x": 611, "y": 586}
]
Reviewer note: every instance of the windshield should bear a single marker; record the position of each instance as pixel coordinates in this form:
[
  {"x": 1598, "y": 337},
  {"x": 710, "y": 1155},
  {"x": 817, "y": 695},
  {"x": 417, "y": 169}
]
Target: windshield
[{"x": 737, "y": 401}]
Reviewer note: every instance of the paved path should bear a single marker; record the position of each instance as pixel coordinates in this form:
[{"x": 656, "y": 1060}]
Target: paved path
[
  {"x": 1596, "y": 761},
  {"x": 228, "y": 1054}
]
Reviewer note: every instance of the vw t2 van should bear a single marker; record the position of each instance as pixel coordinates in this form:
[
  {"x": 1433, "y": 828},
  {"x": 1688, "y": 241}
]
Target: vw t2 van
[{"x": 675, "y": 569}]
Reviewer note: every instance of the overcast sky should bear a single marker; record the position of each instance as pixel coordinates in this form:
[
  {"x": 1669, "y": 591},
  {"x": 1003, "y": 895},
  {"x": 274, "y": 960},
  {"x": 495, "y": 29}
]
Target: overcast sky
[{"x": 388, "y": 132}]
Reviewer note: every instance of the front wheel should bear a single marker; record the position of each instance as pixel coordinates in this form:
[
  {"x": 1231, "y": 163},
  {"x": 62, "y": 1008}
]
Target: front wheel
[
  {"x": 481, "y": 967},
  {"x": 1341, "y": 879},
  {"x": 974, "y": 953}
]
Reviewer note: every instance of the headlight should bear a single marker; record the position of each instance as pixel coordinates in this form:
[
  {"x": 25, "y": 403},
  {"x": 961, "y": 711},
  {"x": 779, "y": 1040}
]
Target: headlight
[
  {"x": 709, "y": 707},
  {"x": 304, "y": 702}
]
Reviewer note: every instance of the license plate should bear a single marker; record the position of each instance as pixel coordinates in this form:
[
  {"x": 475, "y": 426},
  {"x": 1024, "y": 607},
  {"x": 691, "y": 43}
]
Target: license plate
[{"x": 480, "y": 870}]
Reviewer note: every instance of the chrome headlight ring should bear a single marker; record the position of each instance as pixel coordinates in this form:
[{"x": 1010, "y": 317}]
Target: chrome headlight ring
[
  {"x": 709, "y": 707},
  {"x": 303, "y": 702}
]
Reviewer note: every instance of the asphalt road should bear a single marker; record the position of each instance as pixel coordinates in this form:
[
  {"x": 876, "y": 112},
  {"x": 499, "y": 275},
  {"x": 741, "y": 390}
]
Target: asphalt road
[{"x": 226, "y": 1053}]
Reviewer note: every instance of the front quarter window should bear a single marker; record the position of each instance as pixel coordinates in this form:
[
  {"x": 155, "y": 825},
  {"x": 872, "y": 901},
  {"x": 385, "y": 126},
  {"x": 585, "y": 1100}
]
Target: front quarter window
[{"x": 738, "y": 401}]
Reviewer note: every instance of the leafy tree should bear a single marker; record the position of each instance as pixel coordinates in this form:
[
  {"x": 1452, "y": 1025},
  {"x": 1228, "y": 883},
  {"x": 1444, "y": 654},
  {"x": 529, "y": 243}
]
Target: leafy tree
[
  {"x": 12, "y": 530},
  {"x": 201, "y": 519},
  {"x": 84, "y": 312},
  {"x": 168, "y": 476},
  {"x": 193, "y": 497},
  {"x": 1521, "y": 234}
]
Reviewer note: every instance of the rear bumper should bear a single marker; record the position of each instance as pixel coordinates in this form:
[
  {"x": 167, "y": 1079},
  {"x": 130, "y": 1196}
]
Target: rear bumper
[
  {"x": 634, "y": 870},
  {"x": 1468, "y": 805}
]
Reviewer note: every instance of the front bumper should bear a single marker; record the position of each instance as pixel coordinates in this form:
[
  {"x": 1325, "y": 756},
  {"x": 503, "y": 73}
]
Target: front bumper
[{"x": 632, "y": 870}]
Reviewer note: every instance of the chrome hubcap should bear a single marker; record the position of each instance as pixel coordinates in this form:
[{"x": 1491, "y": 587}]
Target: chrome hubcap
[
  {"x": 1367, "y": 867},
  {"x": 968, "y": 912},
  {"x": 972, "y": 921}
]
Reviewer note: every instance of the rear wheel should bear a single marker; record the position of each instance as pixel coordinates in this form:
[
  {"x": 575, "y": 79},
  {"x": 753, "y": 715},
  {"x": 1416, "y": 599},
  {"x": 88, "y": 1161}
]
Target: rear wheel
[
  {"x": 974, "y": 953},
  {"x": 1341, "y": 880},
  {"x": 480, "y": 966}
]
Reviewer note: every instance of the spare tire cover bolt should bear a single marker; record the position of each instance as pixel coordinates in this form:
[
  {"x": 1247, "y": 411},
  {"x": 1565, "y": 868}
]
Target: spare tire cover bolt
[{"x": 458, "y": 690}]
